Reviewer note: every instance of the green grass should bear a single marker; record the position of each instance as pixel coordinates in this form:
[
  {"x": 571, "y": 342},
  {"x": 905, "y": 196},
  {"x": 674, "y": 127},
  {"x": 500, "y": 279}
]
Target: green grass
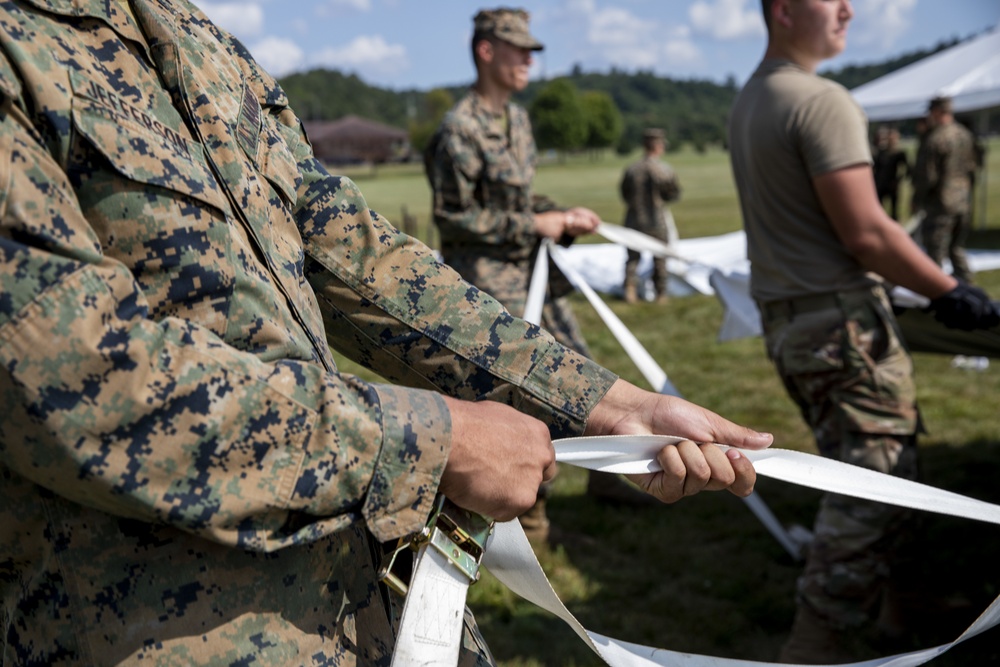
[{"x": 703, "y": 576}]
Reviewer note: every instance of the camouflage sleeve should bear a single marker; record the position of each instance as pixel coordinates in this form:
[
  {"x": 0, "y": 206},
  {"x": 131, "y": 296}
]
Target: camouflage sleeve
[
  {"x": 626, "y": 187},
  {"x": 927, "y": 172},
  {"x": 455, "y": 171},
  {"x": 163, "y": 421},
  {"x": 543, "y": 204},
  {"x": 389, "y": 305},
  {"x": 670, "y": 189}
]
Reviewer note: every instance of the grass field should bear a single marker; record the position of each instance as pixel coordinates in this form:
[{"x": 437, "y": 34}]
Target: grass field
[{"x": 703, "y": 576}]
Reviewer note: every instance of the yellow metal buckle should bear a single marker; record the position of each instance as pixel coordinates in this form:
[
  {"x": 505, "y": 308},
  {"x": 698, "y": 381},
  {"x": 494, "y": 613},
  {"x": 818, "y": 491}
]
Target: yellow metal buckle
[{"x": 457, "y": 534}]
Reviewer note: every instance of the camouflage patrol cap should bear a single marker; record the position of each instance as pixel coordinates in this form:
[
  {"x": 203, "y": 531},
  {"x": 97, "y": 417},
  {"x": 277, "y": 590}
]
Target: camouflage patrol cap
[
  {"x": 653, "y": 133},
  {"x": 508, "y": 24}
]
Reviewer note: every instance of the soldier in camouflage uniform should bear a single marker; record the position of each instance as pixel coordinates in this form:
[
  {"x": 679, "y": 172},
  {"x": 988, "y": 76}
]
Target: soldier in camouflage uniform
[
  {"x": 481, "y": 164},
  {"x": 186, "y": 477},
  {"x": 645, "y": 186},
  {"x": 819, "y": 244},
  {"x": 943, "y": 187}
]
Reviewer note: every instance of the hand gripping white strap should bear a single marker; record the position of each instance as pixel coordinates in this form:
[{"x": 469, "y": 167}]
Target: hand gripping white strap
[
  {"x": 510, "y": 558},
  {"x": 657, "y": 377}
]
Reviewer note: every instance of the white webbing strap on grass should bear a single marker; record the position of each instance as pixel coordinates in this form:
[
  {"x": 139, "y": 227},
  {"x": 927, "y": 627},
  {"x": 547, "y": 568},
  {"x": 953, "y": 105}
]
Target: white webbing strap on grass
[{"x": 510, "y": 559}]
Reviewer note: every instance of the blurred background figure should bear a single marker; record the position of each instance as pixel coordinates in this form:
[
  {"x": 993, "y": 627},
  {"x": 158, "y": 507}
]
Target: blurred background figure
[
  {"x": 890, "y": 166},
  {"x": 646, "y": 186},
  {"x": 942, "y": 183}
]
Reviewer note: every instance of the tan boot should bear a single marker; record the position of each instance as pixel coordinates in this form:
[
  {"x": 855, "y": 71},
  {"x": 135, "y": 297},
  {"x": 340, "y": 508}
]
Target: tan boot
[
  {"x": 612, "y": 488},
  {"x": 814, "y": 642},
  {"x": 631, "y": 295},
  {"x": 535, "y": 523},
  {"x": 662, "y": 298}
]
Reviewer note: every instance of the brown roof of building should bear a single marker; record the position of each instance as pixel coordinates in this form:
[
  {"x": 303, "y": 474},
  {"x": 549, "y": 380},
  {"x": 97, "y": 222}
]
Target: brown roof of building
[{"x": 352, "y": 127}]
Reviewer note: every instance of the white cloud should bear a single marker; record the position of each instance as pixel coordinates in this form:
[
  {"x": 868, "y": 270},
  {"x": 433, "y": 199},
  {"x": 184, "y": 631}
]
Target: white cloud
[
  {"x": 334, "y": 7},
  {"x": 242, "y": 19},
  {"x": 727, "y": 19},
  {"x": 883, "y": 21},
  {"x": 679, "y": 49},
  {"x": 365, "y": 55},
  {"x": 278, "y": 56},
  {"x": 619, "y": 37}
]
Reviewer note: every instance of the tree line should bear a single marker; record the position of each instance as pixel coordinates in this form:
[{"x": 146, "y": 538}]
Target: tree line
[{"x": 576, "y": 112}]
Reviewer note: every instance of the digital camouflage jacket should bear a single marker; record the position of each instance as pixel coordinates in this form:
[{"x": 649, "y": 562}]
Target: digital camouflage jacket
[
  {"x": 943, "y": 173},
  {"x": 646, "y": 186},
  {"x": 186, "y": 477},
  {"x": 481, "y": 166}
]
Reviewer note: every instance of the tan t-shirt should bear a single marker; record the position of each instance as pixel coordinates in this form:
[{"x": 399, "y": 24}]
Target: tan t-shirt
[{"x": 788, "y": 126}]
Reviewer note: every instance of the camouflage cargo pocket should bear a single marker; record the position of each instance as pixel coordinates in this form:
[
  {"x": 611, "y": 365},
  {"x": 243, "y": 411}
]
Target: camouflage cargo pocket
[
  {"x": 881, "y": 395},
  {"x": 809, "y": 343}
]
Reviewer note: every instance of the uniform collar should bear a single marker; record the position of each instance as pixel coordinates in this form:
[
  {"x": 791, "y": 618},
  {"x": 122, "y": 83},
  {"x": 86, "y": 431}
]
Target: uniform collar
[
  {"x": 94, "y": 8},
  {"x": 107, "y": 11}
]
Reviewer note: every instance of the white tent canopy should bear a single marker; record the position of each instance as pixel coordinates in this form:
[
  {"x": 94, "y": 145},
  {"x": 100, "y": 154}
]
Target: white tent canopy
[{"x": 969, "y": 73}]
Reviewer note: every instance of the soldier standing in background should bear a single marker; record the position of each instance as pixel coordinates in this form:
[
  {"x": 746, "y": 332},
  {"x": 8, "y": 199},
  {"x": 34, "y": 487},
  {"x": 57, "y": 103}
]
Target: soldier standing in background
[
  {"x": 645, "y": 186},
  {"x": 820, "y": 246},
  {"x": 481, "y": 165},
  {"x": 942, "y": 183},
  {"x": 890, "y": 166}
]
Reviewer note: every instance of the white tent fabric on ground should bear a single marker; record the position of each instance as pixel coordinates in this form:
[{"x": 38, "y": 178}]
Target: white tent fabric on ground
[
  {"x": 969, "y": 73},
  {"x": 717, "y": 265}
]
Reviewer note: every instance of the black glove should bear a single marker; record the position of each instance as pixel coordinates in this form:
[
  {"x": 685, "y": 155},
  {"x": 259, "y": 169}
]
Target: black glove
[{"x": 966, "y": 308}]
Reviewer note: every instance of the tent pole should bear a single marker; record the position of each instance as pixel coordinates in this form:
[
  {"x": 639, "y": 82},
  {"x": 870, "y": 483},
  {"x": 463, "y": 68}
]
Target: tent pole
[{"x": 984, "y": 127}]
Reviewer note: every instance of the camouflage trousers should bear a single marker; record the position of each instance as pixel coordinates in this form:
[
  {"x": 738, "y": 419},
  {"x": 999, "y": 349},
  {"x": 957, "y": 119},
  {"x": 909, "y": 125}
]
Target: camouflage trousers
[
  {"x": 843, "y": 362},
  {"x": 657, "y": 231},
  {"x": 943, "y": 235},
  {"x": 659, "y": 272}
]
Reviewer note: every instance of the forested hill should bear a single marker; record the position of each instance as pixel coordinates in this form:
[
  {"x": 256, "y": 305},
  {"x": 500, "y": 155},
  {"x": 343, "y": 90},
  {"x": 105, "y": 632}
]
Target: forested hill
[{"x": 690, "y": 110}]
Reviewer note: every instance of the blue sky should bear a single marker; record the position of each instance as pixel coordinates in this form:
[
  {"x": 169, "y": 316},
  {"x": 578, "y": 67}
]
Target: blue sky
[{"x": 421, "y": 44}]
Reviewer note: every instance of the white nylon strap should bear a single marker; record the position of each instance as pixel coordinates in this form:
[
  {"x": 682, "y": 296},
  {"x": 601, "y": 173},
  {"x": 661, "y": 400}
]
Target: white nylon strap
[
  {"x": 430, "y": 630},
  {"x": 655, "y": 375},
  {"x": 636, "y": 240},
  {"x": 510, "y": 558},
  {"x": 538, "y": 287}
]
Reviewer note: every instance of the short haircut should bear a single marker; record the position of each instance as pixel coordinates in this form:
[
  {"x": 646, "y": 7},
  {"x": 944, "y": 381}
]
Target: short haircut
[
  {"x": 476, "y": 38},
  {"x": 765, "y": 8},
  {"x": 940, "y": 103}
]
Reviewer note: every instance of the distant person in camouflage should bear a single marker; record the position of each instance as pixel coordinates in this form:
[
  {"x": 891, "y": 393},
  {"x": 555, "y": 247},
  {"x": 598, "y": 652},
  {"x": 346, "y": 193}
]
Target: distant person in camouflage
[
  {"x": 943, "y": 187},
  {"x": 187, "y": 479},
  {"x": 890, "y": 166},
  {"x": 820, "y": 246},
  {"x": 645, "y": 186},
  {"x": 481, "y": 164}
]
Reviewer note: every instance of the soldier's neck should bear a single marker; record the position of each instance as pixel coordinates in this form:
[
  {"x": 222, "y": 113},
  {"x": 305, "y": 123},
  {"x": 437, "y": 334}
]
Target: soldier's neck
[{"x": 494, "y": 98}]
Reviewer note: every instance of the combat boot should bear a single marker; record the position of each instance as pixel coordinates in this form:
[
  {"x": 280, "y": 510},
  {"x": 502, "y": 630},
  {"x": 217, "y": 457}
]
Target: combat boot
[
  {"x": 535, "y": 523},
  {"x": 813, "y": 641},
  {"x": 662, "y": 298},
  {"x": 612, "y": 488},
  {"x": 631, "y": 294}
]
